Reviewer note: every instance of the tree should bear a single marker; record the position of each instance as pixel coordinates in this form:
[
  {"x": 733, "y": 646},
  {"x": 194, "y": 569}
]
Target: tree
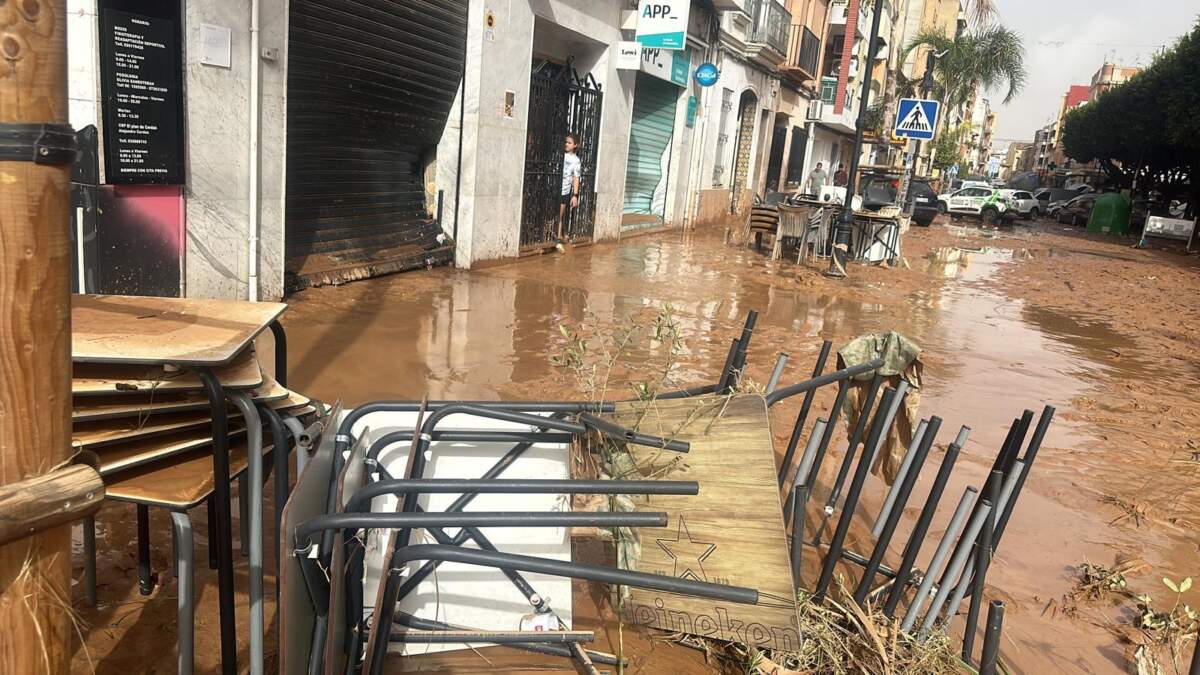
[
  {"x": 1146, "y": 130},
  {"x": 947, "y": 148}
]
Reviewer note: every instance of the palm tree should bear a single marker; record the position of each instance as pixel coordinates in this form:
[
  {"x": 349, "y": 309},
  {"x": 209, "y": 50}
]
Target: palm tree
[
  {"x": 980, "y": 14},
  {"x": 991, "y": 56}
]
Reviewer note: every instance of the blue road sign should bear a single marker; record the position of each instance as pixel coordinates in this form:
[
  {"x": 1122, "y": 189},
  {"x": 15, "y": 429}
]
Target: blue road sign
[{"x": 916, "y": 119}]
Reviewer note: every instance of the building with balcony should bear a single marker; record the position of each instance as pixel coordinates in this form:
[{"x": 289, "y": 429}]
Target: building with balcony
[{"x": 739, "y": 111}]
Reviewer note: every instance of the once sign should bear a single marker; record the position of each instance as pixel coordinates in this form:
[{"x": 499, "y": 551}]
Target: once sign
[{"x": 663, "y": 25}]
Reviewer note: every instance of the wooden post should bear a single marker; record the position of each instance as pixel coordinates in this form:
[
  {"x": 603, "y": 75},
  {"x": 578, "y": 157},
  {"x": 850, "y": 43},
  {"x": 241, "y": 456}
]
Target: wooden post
[{"x": 35, "y": 336}]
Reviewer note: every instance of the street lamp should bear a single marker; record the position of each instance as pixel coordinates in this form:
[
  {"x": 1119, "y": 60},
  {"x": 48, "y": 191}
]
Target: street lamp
[{"x": 843, "y": 231}]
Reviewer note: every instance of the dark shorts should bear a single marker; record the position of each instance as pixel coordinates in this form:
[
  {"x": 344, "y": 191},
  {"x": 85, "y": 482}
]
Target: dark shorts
[{"x": 566, "y": 199}]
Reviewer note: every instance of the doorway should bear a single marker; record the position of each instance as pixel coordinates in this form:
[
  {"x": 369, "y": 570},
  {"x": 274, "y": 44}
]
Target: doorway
[
  {"x": 775, "y": 160},
  {"x": 649, "y": 166},
  {"x": 560, "y": 102},
  {"x": 747, "y": 116}
]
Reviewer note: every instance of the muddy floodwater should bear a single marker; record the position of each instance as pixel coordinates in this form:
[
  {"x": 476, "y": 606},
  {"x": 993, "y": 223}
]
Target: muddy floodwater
[{"x": 1008, "y": 320}]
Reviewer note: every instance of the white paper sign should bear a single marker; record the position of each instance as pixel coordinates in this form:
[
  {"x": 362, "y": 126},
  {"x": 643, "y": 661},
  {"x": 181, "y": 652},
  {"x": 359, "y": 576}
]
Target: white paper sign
[
  {"x": 215, "y": 44},
  {"x": 629, "y": 55}
]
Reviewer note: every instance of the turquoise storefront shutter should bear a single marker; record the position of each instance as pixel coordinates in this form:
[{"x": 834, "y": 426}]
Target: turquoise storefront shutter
[{"x": 654, "y": 105}]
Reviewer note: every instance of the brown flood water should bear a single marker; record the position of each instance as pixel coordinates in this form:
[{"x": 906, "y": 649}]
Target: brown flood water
[{"x": 995, "y": 343}]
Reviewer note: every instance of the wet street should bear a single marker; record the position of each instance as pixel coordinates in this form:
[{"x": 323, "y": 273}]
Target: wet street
[{"x": 1008, "y": 320}]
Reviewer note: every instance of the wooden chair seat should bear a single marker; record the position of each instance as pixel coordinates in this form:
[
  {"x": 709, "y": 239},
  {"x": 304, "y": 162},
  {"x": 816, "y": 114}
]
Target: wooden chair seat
[
  {"x": 179, "y": 483},
  {"x": 124, "y": 405},
  {"x": 116, "y": 459},
  {"x": 99, "y": 379},
  {"x": 92, "y": 435}
]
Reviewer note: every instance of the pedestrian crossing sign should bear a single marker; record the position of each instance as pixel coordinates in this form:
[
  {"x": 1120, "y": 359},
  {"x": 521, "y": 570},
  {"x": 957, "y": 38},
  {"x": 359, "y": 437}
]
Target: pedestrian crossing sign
[{"x": 916, "y": 118}]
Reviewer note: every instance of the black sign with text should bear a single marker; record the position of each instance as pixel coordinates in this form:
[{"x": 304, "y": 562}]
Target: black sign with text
[{"x": 143, "y": 99}]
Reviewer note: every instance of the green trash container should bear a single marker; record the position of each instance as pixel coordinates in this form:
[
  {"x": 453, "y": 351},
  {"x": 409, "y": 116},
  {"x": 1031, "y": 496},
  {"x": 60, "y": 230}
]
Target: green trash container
[{"x": 1111, "y": 214}]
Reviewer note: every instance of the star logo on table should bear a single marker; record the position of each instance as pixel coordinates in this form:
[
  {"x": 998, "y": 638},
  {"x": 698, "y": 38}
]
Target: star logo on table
[{"x": 689, "y": 555}]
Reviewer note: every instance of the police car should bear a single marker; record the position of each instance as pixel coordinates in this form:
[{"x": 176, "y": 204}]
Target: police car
[{"x": 985, "y": 203}]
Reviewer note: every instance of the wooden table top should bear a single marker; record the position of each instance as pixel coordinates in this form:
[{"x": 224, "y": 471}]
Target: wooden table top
[
  {"x": 152, "y": 331},
  {"x": 733, "y": 531}
]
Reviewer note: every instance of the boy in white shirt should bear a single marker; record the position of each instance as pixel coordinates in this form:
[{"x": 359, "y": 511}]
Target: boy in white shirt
[{"x": 572, "y": 167}]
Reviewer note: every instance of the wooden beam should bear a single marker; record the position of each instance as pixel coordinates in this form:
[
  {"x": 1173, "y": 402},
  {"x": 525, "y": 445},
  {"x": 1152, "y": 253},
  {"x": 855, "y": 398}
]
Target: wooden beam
[
  {"x": 42, "y": 502},
  {"x": 35, "y": 336}
]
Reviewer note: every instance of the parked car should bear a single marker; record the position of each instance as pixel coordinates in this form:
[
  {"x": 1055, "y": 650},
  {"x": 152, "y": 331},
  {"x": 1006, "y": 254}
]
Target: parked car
[
  {"x": 1076, "y": 211},
  {"x": 1052, "y": 198},
  {"x": 984, "y": 203},
  {"x": 925, "y": 202},
  {"x": 1022, "y": 203}
]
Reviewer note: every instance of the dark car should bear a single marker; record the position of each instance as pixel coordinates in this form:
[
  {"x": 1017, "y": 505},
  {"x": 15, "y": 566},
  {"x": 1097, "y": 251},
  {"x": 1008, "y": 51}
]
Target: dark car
[
  {"x": 1077, "y": 211},
  {"x": 925, "y": 202}
]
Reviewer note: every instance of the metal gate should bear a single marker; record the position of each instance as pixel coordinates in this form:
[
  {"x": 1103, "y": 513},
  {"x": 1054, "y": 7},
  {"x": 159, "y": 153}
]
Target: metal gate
[
  {"x": 370, "y": 88},
  {"x": 560, "y": 102}
]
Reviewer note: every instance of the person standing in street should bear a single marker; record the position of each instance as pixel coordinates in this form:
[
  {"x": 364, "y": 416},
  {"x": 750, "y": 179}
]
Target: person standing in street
[
  {"x": 817, "y": 178},
  {"x": 839, "y": 177},
  {"x": 572, "y": 168}
]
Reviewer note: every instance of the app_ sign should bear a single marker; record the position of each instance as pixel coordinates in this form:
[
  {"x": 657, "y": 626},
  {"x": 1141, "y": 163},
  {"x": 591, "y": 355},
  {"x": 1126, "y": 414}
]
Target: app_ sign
[{"x": 663, "y": 24}]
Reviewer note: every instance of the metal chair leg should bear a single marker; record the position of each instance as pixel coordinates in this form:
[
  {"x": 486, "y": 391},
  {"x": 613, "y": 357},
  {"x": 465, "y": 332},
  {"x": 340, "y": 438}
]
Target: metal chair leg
[
  {"x": 181, "y": 527},
  {"x": 244, "y": 511},
  {"x": 89, "y": 559},
  {"x": 146, "y": 578},
  {"x": 250, "y": 499},
  {"x": 212, "y": 534}
]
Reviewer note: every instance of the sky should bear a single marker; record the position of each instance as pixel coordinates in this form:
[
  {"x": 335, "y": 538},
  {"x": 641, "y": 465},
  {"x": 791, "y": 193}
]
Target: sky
[{"x": 1066, "y": 41}]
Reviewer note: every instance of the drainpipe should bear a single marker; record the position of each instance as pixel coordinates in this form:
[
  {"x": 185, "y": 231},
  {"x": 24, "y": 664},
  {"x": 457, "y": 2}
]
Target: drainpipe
[{"x": 252, "y": 178}]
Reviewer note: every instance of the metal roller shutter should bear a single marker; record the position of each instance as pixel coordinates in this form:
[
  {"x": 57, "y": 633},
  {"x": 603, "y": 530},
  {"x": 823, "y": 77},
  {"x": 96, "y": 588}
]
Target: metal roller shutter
[
  {"x": 650, "y": 134},
  {"x": 370, "y": 86}
]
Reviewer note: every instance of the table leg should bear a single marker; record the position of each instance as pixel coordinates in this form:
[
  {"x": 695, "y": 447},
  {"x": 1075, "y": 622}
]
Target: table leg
[
  {"x": 181, "y": 526},
  {"x": 281, "y": 442},
  {"x": 89, "y": 559},
  {"x": 252, "y": 497},
  {"x": 212, "y": 533},
  {"x": 297, "y": 430},
  {"x": 145, "y": 576},
  {"x": 222, "y": 538}
]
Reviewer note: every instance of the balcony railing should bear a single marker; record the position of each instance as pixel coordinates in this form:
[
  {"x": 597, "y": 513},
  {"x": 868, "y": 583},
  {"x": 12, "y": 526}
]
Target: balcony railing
[
  {"x": 770, "y": 24},
  {"x": 804, "y": 50}
]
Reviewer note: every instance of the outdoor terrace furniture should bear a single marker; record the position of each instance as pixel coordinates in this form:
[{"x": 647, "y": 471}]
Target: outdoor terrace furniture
[{"x": 200, "y": 352}]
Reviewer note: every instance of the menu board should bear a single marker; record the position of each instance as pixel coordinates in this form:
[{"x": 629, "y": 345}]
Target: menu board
[{"x": 142, "y": 92}]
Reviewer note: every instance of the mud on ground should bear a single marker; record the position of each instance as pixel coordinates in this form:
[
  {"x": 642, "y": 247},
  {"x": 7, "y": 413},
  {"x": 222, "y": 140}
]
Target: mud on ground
[{"x": 1009, "y": 319}]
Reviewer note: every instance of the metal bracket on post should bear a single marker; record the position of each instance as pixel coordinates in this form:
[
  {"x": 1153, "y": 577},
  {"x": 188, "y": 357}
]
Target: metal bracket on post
[{"x": 37, "y": 143}]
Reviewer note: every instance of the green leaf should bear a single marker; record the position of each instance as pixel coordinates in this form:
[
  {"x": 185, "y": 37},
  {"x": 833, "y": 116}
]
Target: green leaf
[
  {"x": 563, "y": 329},
  {"x": 1187, "y": 583},
  {"x": 1170, "y": 584}
]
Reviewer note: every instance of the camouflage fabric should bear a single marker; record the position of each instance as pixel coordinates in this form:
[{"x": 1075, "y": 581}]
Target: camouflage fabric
[{"x": 901, "y": 360}]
